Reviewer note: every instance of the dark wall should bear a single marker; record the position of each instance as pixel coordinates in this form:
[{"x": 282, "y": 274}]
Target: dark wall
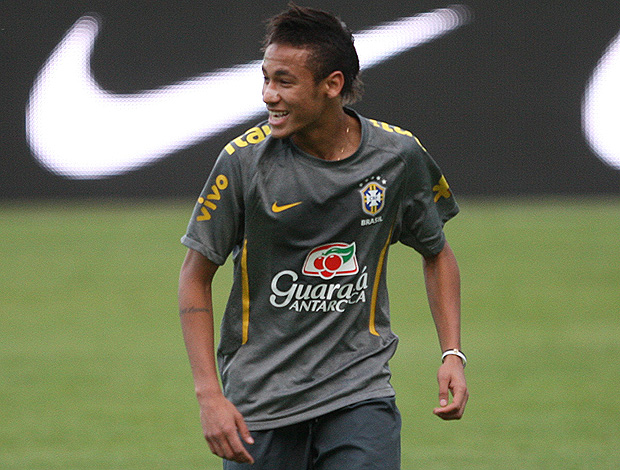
[{"x": 497, "y": 102}]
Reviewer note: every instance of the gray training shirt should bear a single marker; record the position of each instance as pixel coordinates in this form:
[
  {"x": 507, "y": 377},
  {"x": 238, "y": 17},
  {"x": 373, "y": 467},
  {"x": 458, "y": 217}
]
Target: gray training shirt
[{"x": 307, "y": 326}]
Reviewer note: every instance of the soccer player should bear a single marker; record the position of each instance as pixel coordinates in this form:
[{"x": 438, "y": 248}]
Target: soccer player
[{"x": 308, "y": 203}]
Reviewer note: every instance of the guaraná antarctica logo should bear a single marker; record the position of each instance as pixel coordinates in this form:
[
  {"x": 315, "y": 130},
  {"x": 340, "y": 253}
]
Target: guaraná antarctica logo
[
  {"x": 334, "y": 259},
  {"x": 325, "y": 261}
]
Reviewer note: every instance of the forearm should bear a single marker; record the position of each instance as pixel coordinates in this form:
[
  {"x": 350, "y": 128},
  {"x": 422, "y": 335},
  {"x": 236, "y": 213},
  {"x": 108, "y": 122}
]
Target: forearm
[
  {"x": 196, "y": 316},
  {"x": 443, "y": 287},
  {"x": 222, "y": 424},
  {"x": 197, "y": 326}
]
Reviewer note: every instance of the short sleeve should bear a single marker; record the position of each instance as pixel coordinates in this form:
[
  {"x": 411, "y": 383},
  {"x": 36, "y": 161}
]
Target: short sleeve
[
  {"x": 427, "y": 204},
  {"x": 217, "y": 222}
]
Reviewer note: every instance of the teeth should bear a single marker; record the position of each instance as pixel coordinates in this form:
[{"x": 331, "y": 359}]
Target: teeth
[{"x": 278, "y": 114}]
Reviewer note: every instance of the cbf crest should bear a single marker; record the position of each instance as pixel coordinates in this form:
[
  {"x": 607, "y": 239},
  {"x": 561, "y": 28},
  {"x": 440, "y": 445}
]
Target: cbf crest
[{"x": 373, "y": 197}]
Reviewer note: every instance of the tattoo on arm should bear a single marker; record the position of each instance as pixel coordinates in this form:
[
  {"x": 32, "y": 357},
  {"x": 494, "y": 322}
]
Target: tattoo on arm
[{"x": 186, "y": 310}]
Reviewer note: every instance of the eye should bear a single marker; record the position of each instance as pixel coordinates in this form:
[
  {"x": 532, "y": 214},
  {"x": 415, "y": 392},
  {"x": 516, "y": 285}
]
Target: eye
[{"x": 285, "y": 82}]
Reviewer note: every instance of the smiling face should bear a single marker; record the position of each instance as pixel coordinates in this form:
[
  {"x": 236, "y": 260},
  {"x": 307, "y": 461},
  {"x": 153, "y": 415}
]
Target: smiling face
[{"x": 296, "y": 103}]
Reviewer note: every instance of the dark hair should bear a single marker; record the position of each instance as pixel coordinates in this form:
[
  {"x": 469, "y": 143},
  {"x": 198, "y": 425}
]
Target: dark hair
[{"x": 330, "y": 42}]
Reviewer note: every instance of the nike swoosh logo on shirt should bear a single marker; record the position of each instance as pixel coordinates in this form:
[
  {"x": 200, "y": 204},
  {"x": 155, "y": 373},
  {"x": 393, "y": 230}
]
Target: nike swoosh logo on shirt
[
  {"x": 277, "y": 208},
  {"x": 80, "y": 131}
]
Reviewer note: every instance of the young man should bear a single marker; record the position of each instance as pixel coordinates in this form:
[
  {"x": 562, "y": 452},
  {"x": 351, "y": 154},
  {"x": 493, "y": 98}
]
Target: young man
[{"x": 308, "y": 203}]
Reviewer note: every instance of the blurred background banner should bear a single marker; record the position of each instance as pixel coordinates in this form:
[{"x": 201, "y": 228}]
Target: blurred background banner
[{"x": 136, "y": 99}]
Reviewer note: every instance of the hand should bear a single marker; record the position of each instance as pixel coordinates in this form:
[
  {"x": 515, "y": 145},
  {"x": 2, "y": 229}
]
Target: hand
[
  {"x": 451, "y": 378},
  {"x": 223, "y": 428}
]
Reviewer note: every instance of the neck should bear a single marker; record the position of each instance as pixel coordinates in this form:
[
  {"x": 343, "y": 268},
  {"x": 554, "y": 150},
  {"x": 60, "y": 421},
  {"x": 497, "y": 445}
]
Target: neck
[{"x": 336, "y": 139}]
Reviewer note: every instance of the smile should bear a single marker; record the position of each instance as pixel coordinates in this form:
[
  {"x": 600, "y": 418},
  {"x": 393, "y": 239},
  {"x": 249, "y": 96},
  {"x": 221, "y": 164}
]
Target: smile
[{"x": 278, "y": 114}]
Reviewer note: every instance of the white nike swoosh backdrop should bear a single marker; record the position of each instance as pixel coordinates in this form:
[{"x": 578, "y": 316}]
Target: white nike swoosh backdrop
[
  {"x": 78, "y": 130},
  {"x": 601, "y": 107}
]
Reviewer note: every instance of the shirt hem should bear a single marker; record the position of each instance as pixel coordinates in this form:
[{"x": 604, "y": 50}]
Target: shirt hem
[
  {"x": 200, "y": 248},
  {"x": 264, "y": 425}
]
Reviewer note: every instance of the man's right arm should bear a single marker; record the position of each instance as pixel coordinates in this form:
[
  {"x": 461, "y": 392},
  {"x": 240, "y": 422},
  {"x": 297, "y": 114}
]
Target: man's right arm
[{"x": 222, "y": 423}]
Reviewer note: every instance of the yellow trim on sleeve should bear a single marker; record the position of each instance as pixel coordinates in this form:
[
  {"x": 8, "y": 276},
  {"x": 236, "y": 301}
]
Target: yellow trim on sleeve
[
  {"x": 245, "y": 294},
  {"x": 375, "y": 287}
]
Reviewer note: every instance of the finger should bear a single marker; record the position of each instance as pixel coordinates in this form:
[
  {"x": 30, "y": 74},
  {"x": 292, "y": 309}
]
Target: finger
[
  {"x": 213, "y": 447},
  {"x": 455, "y": 409},
  {"x": 230, "y": 448},
  {"x": 239, "y": 452},
  {"x": 460, "y": 396},
  {"x": 243, "y": 430},
  {"x": 219, "y": 447},
  {"x": 234, "y": 448},
  {"x": 447, "y": 412},
  {"x": 222, "y": 443},
  {"x": 444, "y": 393}
]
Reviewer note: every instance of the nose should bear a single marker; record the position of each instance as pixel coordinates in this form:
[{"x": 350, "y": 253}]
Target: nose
[{"x": 270, "y": 94}]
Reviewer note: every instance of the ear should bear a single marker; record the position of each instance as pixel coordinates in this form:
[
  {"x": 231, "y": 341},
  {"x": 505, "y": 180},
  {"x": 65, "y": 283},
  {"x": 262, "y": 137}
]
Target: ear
[{"x": 334, "y": 83}]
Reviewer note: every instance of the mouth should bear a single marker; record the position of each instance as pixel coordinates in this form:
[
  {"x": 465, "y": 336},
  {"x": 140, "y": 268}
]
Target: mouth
[{"x": 276, "y": 116}]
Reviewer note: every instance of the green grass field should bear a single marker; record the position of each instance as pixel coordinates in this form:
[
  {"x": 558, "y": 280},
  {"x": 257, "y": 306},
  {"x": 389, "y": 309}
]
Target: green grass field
[{"x": 93, "y": 372}]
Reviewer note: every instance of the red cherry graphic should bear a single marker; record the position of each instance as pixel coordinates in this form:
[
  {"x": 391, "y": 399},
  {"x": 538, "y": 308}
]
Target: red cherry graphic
[
  {"x": 332, "y": 263},
  {"x": 318, "y": 263}
]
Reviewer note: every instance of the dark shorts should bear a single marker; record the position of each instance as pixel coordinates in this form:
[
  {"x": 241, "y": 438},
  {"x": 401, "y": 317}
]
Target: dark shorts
[{"x": 363, "y": 436}]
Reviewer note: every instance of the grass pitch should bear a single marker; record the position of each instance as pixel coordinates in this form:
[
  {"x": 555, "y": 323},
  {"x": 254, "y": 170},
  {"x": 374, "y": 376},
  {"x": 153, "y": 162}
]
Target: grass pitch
[{"x": 93, "y": 373}]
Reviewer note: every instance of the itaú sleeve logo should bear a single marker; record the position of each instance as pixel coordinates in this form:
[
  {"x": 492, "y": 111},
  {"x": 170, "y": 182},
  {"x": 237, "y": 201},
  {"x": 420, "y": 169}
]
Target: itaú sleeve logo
[
  {"x": 334, "y": 259},
  {"x": 601, "y": 107},
  {"x": 79, "y": 130}
]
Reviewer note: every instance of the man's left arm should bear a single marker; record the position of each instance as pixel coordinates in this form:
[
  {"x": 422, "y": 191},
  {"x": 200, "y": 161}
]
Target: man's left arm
[{"x": 443, "y": 288}]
